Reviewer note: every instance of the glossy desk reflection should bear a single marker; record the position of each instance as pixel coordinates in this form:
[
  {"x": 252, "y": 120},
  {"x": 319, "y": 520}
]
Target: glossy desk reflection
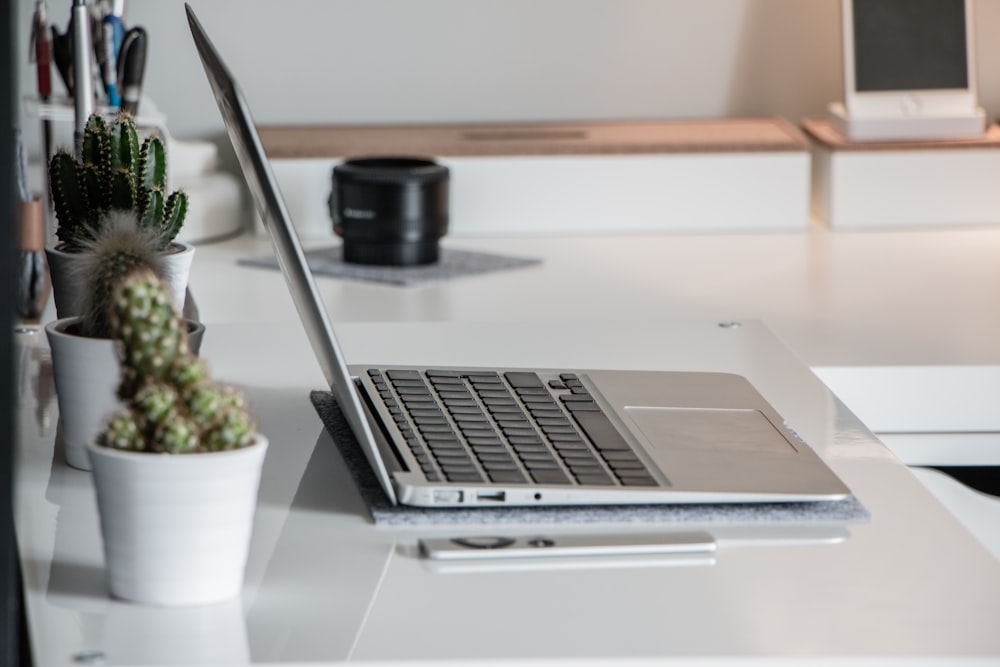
[{"x": 324, "y": 585}]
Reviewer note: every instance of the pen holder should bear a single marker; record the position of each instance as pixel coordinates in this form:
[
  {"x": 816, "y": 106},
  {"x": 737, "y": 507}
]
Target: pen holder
[{"x": 390, "y": 210}]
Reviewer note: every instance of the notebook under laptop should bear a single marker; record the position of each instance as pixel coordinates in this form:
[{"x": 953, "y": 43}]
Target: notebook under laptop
[{"x": 487, "y": 436}]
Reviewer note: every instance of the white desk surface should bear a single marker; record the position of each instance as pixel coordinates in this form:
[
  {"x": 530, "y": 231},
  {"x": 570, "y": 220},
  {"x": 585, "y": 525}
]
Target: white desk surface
[
  {"x": 323, "y": 585},
  {"x": 925, "y": 297}
]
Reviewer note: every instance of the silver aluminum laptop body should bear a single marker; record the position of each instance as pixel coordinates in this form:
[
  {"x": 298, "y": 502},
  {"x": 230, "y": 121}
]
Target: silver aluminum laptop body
[{"x": 674, "y": 437}]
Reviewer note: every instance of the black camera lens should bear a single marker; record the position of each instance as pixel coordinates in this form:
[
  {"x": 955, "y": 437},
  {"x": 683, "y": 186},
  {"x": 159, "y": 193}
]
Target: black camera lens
[{"x": 390, "y": 210}]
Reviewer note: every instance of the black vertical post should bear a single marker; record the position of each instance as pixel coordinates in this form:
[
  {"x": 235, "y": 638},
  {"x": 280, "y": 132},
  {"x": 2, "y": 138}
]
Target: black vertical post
[{"x": 10, "y": 594}]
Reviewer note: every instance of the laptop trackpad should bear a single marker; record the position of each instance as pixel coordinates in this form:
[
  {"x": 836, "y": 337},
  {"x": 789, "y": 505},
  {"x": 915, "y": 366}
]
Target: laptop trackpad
[{"x": 705, "y": 430}]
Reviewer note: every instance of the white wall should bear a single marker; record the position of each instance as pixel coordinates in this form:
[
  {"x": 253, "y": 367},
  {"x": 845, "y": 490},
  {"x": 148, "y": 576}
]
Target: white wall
[{"x": 358, "y": 61}]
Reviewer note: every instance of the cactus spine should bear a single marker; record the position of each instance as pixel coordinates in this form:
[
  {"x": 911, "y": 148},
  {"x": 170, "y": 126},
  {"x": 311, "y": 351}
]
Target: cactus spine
[
  {"x": 114, "y": 173},
  {"x": 171, "y": 404}
]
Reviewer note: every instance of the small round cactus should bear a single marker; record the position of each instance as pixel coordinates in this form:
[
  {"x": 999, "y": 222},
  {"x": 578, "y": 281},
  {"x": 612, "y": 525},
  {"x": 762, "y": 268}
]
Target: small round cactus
[{"x": 171, "y": 404}]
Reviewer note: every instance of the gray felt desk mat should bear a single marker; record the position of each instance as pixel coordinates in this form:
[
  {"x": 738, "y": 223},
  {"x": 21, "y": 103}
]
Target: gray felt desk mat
[
  {"x": 451, "y": 264},
  {"x": 849, "y": 510}
]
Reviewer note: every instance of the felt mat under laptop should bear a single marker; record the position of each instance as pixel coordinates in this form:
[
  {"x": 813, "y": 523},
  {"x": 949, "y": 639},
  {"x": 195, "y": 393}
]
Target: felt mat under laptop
[
  {"x": 849, "y": 510},
  {"x": 452, "y": 263}
]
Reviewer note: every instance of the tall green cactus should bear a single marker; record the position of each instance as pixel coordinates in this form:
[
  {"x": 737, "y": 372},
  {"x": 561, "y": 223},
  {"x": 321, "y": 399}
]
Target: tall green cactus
[
  {"x": 171, "y": 405},
  {"x": 114, "y": 172}
]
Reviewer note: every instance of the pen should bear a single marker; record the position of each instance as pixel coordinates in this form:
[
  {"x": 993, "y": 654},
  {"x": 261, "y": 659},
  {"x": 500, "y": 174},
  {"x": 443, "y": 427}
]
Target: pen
[
  {"x": 83, "y": 85},
  {"x": 132, "y": 68},
  {"x": 41, "y": 55},
  {"x": 62, "y": 55},
  {"x": 112, "y": 34}
]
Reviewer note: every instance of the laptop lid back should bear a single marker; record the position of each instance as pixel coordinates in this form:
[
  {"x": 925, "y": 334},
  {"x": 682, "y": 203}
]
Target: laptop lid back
[{"x": 271, "y": 207}]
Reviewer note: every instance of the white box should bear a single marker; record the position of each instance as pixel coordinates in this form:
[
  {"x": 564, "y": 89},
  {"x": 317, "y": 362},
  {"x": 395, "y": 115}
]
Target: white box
[
  {"x": 637, "y": 177},
  {"x": 904, "y": 184}
]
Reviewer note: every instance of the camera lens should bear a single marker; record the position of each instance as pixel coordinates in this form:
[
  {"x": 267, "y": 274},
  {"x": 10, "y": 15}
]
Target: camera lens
[{"x": 390, "y": 210}]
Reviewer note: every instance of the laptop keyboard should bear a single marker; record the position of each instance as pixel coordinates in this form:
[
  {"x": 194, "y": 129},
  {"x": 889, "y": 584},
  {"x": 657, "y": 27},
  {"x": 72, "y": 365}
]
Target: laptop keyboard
[{"x": 509, "y": 428}]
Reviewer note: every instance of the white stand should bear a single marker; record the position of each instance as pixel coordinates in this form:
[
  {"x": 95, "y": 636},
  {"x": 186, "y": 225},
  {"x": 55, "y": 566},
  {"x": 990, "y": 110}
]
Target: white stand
[
  {"x": 904, "y": 128},
  {"x": 895, "y": 184}
]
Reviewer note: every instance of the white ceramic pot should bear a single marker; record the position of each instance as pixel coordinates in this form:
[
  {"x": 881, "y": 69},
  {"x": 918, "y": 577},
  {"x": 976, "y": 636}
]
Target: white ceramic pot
[
  {"x": 177, "y": 527},
  {"x": 87, "y": 373},
  {"x": 67, "y": 287}
]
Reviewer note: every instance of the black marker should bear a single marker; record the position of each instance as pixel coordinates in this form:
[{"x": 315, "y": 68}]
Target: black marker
[{"x": 132, "y": 63}]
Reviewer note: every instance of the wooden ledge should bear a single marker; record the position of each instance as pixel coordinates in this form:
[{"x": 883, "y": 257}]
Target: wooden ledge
[
  {"x": 522, "y": 139},
  {"x": 823, "y": 132}
]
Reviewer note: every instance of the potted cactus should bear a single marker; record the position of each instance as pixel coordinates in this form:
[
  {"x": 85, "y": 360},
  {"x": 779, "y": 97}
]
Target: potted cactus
[
  {"x": 84, "y": 362},
  {"x": 114, "y": 174},
  {"x": 114, "y": 215},
  {"x": 177, "y": 469}
]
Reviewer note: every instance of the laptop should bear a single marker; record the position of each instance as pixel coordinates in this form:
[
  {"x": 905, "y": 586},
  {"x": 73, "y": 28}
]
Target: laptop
[{"x": 463, "y": 437}]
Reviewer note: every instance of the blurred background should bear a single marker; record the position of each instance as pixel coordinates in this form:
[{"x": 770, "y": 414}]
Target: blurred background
[{"x": 399, "y": 61}]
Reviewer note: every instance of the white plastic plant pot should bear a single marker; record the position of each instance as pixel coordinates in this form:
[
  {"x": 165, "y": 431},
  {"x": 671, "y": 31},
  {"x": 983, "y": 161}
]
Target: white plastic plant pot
[
  {"x": 68, "y": 283},
  {"x": 177, "y": 527},
  {"x": 87, "y": 373}
]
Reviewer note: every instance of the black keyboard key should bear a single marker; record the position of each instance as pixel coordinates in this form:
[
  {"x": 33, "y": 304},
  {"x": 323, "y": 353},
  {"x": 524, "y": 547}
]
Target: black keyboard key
[
  {"x": 586, "y": 468},
  {"x": 595, "y": 480},
  {"x": 464, "y": 477},
  {"x": 490, "y": 392},
  {"x": 611, "y": 455},
  {"x": 507, "y": 477},
  {"x": 446, "y": 394},
  {"x": 502, "y": 412},
  {"x": 484, "y": 379},
  {"x": 437, "y": 431},
  {"x": 531, "y": 450},
  {"x": 497, "y": 461},
  {"x": 470, "y": 409},
  {"x": 442, "y": 440},
  {"x": 445, "y": 446},
  {"x": 397, "y": 374},
  {"x": 446, "y": 381},
  {"x": 426, "y": 411},
  {"x": 582, "y": 405},
  {"x": 563, "y": 438},
  {"x": 456, "y": 462},
  {"x": 466, "y": 405},
  {"x": 633, "y": 480},
  {"x": 550, "y": 476},
  {"x": 492, "y": 467},
  {"x": 512, "y": 420},
  {"x": 486, "y": 451},
  {"x": 537, "y": 455},
  {"x": 622, "y": 467},
  {"x": 417, "y": 400},
  {"x": 601, "y": 431},
  {"x": 470, "y": 418},
  {"x": 523, "y": 379},
  {"x": 435, "y": 373},
  {"x": 433, "y": 420},
  {"x": 543, "y": 413}
]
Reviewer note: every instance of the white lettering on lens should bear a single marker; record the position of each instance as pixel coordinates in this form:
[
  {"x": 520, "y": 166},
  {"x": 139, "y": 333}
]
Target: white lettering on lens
[{"x": 359, "y": 214}]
